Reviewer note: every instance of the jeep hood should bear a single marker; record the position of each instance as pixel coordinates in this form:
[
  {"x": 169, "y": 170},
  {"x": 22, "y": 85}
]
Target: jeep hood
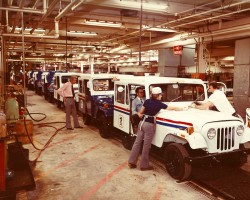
[{"x": 195, "y": 116}]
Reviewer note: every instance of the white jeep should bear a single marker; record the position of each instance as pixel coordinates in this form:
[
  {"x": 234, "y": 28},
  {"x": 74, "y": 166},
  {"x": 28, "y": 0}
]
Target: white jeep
[
  {"x": 59, "y": 79},
  {"x": 96, "y": 98},
  {"x": 187, "y": 136}
]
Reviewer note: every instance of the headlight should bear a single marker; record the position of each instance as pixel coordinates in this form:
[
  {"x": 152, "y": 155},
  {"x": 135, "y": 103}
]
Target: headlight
[
  {"x": 240, "y": 130},
  {"x": 211, "y": 133}
]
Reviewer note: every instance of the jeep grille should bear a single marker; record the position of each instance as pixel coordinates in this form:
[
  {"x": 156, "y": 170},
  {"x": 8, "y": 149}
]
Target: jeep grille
[{"x": 225, "y": 138}]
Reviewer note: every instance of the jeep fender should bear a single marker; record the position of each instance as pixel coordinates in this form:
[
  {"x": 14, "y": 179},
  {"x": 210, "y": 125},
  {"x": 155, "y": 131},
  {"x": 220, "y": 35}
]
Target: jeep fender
[
  {"x": 246, "y": 135},
  {"x": 195, "y": 141}
]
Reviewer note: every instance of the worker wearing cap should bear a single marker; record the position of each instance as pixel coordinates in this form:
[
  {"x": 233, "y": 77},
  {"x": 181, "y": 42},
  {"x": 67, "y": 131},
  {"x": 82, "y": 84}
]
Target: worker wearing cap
[{"x": 147, "y": 129}]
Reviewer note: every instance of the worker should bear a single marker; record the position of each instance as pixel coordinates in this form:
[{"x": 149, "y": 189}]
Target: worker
[
  {"x": 67, "y": 92},
  {"x": 137, "y": 104},
  {"x": 217, "y": 101},
  {"x": 138, "y": 100},
  {"x": 146, "y": 129}
]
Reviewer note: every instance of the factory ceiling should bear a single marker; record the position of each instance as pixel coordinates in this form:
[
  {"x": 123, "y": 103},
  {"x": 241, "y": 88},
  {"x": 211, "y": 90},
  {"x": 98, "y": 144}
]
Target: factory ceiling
[{"x": 77, "y": 30}]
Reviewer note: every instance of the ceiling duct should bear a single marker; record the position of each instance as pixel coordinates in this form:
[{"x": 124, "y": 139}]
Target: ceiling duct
[{"x": 129, "y": 13}]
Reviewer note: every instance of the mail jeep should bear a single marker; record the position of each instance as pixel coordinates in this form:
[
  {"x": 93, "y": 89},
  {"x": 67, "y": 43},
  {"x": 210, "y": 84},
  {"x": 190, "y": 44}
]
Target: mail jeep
[
  {"x": 59, "y": 79},
  {"x": 96, "y": 98},
  {"x": 49, "y": 86},
  {"x": 184, "y": 137}
]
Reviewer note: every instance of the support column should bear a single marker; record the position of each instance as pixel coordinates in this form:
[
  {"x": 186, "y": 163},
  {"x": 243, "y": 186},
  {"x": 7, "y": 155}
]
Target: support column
[
  {"x": 241, "y": 87},
  {"x": 202, "y": 66},
  {"x": 92, "y": 65}
]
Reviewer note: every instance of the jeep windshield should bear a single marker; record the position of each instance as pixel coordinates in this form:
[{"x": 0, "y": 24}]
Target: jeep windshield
[
  {"x": 65, "y": 79},
  {"x": 174, "y": 92},
  {"x": 103, "y": 85}
]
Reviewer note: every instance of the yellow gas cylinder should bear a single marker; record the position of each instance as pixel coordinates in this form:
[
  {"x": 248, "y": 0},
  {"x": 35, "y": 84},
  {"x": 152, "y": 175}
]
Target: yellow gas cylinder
[
  {"x": 11, "y": 110},
  {"x": 2, "y": 124},
  {"x": 21, "y": 130}
]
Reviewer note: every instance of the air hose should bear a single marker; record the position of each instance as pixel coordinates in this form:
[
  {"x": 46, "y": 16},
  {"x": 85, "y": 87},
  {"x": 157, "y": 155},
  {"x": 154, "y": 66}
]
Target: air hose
[{"x": 41, "y": 125}]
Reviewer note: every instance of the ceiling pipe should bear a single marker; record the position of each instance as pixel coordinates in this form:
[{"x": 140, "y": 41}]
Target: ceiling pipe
[
  {"x": 63, "y": 52},
  {"x": 56, "y": 35},
  {"x": 18, "y": 15},
  {"x": 67, "y": 9},
  {"x": 78, "y": 4},
  {"x": 46, "y": 14},
  {"x": 205, "y": 12},
  {"x": 34, "y": 6},
  {"x": 219, "y": 32},
  {"x": 35, "y": 35},
  {"x": 28, "y": 10},
  {"x": 190, "y": 39},
  {"x": 210, "y": 18},
  {"x": 181, "y": 19},
  {"x": 198, "y": 7},
  {"x": 44, "y": 6}
]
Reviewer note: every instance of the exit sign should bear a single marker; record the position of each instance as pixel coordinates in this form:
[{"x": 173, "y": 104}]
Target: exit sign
[{"x": 178, "y": 50}]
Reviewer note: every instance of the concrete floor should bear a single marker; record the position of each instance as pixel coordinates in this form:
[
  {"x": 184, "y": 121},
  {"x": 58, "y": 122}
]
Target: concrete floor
[{"x": 80, "y": 165}]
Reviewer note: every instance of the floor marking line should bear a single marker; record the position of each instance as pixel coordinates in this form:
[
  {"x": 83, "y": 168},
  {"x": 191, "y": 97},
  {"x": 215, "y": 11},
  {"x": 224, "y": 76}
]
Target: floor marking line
[
  {"x": 94, "y": 189},
  {"x": 158, "y": 193}
]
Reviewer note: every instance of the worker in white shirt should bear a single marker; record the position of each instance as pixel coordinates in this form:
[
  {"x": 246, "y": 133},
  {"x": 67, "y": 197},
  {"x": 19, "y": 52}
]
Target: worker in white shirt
[
  {"x": 218, "y": 100},
  {"x": 67, "y": 92}
]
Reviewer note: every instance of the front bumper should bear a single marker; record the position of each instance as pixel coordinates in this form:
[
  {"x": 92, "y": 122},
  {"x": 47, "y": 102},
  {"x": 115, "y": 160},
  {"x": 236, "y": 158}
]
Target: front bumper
[{"x": 217, "y": 156}]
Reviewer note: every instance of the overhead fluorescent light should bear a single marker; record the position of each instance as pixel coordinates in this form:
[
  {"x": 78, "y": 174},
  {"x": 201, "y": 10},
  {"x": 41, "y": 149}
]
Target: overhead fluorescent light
[
  {"x": 145, "y": 6},
  {"x": 159, "y": 29},
  {"x": 102, "y": 23},
  {"x": 228, "y": 58},
  {"x": 58, "y": 54},
  {"x": 38, "y": 30},
  {"x": 162, "y": 30},
  {"x": 87, "y": 46},
  {"x": 78, "y": 33}
]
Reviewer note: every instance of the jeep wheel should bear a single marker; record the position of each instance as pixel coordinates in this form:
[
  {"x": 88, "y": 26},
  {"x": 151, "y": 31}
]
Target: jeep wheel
[
  {"x": 174, "y": 158},
  {"x": 104, "y": 127},
  {"x": 127, "y": 141}
]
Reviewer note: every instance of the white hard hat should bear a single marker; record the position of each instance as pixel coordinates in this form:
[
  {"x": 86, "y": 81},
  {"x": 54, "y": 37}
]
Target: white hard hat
[{"x": 156, "y": 90}]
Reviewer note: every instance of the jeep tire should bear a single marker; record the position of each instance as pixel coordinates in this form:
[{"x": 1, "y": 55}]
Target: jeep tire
[
  {"x": 127, "y": 141},
  {"x": 174, "y": 158},
  {"x": 104, "y": 127}
]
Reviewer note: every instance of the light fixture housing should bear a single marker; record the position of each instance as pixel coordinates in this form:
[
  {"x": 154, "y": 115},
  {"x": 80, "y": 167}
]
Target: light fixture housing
[
  {"x": 102, "y": 23},
  {"x": 27, "y": 30},
  {"x": 150, "y": 7},
  {"x": 79, "y": 33},
  {"x": 159, "y": 29}
]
